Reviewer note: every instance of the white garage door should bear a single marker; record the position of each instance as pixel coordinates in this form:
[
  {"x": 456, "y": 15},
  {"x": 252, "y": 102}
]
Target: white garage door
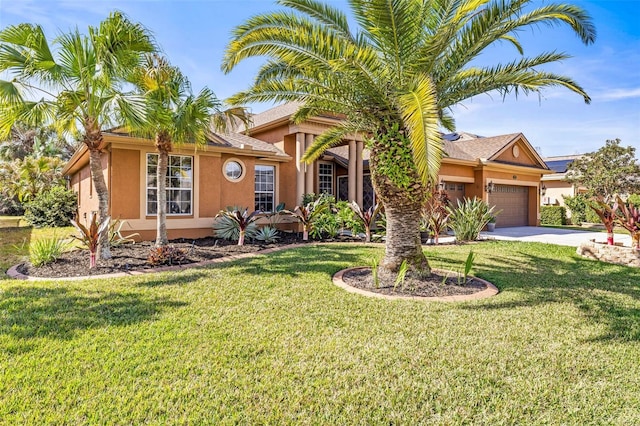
[{"x": 514, "y": 203}]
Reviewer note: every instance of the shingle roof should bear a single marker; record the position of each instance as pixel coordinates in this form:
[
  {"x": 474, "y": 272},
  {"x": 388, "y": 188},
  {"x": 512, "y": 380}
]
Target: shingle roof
[
  {"x": 238, "y": 140},
  {"x": 480, "y": 147},
  {"x": 275, "y": 114}
]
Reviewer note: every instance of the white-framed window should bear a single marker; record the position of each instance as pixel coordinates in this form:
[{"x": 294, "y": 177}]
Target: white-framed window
[
  {"x": 179, "y": 183},
  {"x": 265, "y": 183},
  {"x": 233, "y": 170},
  {"x": 325, "y": 178}
]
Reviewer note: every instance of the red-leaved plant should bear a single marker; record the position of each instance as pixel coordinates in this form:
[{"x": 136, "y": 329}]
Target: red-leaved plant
[
  {"x": 234, "y": 221},
  {"x": 629, "y": 219},
  {"x": 607, "y": 215},
  {"x": 366, "y": 218},
  {"x": 89, "y": 236},
  {"x": 307, "y": 214}
]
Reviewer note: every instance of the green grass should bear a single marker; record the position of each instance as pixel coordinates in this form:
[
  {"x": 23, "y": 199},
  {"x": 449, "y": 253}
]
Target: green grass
[
  {"x": 14, "y": 243},
  {"x": 271, "y": 340}
]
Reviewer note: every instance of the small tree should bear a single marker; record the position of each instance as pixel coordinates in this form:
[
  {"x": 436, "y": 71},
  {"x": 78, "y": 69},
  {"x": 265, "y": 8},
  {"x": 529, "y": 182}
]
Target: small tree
[
  {"x": 611, "y": 170},
  {"x": 607, "y": 215}
]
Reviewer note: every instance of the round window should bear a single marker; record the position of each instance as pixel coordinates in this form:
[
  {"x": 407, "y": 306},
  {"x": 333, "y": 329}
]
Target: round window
[{"x": 233, "y": 170}]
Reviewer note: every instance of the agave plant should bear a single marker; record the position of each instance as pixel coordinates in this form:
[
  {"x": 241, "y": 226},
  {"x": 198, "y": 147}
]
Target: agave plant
[
  {"x": 629, "y": 219},
  {"x": 90, "y": 236},
  {"x": 469, "y": 217},
  {"x": 233, "y": 223},
  {"x": 307, "y": 214},
  {"x": 268, "y": 234},
  {"x": 607, "y": 215},
  {"x": 366, "y": 218}
]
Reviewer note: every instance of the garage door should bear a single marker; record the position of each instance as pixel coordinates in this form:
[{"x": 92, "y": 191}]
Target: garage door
[{"x": 514, "y": 203}]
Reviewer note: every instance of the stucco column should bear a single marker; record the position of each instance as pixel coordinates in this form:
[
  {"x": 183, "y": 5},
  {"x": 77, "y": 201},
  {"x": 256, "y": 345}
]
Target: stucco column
[
  {"x": 299, "y": 167},
  {"x": 359, "y": 172},
  {"x": 352, "y": 171},
  {"x": 310, "y": 168}
]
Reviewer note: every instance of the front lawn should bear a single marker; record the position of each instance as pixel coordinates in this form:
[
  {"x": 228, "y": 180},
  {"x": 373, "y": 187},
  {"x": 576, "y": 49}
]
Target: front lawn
[{"x": 271, "y": 340}]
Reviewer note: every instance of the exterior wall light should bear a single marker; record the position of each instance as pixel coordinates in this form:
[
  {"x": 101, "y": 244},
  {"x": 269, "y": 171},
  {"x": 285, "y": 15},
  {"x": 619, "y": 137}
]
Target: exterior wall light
[{"x": 490, "y": 187}]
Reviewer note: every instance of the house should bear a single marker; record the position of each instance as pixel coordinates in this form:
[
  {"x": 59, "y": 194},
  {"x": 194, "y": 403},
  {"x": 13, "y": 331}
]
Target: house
[
  {"x": 503, "y": 170},
  {"x": 554, "y": 185},
  {"x": 261, "y": 168}
]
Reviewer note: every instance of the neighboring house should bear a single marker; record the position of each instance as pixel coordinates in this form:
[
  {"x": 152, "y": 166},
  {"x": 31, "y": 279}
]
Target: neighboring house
[
  {"x": 554, "y": 185},
  {"x": 261, "y": 169}
]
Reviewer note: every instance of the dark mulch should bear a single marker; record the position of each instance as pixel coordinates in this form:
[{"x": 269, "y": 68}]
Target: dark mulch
[
  {"x": 134, "y": 257},
  {"x": 436, "y": 285}
]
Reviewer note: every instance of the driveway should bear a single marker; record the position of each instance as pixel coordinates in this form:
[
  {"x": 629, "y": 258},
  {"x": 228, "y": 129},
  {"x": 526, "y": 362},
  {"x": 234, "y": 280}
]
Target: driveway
[{"x": 563, "y": 237}]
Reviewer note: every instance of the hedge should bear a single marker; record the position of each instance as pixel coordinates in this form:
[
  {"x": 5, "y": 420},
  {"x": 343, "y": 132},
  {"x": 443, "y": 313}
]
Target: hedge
[{"x": 553, "y": 215}]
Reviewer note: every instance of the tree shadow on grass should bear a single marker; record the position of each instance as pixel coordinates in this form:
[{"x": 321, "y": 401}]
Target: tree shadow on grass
[
  {"x": 177, "y": 278},
  {"x": 58, "y": 313},
  {"x": 606, "y": 294},
  {"x": 327, "y": 259}
]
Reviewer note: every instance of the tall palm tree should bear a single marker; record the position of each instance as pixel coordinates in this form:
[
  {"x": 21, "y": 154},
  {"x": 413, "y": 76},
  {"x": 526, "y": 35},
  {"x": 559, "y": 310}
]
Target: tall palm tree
[
  {"x": 395, "y": 80},
  {"x": 78, "y": 87},
  {"x": 176, "y": 116}
]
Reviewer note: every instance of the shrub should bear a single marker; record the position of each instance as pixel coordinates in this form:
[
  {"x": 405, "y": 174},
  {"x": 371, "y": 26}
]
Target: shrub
[
  {"x": 366, "y": 218},
  {"x": 578, "y": 207},
  {"x": 235, "y": 224},
  {"x": 469, "y": 217},
  {"x": 591, "y": 216},
  {"x": 166, "y": 255},
  {"x": 634, "y": 199},
  {"x": 308, "y": 214},
  {"x": 268, "y": 234},
  {"x": 89, "y": 236},
  {"x": 553, "y": 215},
  {"x": 54, "y": 208},
  {"x": 46, "y": 250}
]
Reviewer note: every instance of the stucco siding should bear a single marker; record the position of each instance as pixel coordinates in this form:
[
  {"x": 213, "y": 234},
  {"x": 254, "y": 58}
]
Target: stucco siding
[{"x": 125, "y": 177}]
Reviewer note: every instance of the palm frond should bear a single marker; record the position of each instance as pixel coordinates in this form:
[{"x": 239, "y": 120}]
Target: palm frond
[{"x": 420, "y": 113}]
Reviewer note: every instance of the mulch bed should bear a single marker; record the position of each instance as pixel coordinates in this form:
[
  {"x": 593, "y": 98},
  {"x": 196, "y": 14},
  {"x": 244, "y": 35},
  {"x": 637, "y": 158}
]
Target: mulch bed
[
  {"x": 437, "y": 285},
  {"x": 134, "y": 257}
]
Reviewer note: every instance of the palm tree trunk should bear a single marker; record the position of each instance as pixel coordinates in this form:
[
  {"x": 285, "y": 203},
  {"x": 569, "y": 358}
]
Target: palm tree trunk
[
  {"x": 403, "y": 209},
  {"x": 161, "y": 218},
  {"x": 403, "y": 237},
  {"x": 99, "y": 184}
]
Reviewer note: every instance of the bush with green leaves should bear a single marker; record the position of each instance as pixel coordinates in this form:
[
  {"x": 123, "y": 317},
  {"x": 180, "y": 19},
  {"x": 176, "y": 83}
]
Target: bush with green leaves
[
  {"x": 591, "y": 216},
  {"x": 577, "y": 205},
  {"x": 553, "y": 215},
  {"x": 469, "y": 217},
  {"x": 53, "y": 208},
  {"x": 47, "y": 250},
  {"x": 634, "y": 199}
]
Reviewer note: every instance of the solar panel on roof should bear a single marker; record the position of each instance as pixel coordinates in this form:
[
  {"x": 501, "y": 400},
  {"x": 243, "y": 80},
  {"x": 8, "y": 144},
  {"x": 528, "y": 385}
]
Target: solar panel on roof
[
  {"x": 451, "y": 136},
  {"x": 559, "y": 166}
]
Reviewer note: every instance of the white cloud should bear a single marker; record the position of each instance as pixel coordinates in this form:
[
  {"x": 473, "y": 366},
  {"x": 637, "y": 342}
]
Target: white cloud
[{"x": 618, "y": 94}]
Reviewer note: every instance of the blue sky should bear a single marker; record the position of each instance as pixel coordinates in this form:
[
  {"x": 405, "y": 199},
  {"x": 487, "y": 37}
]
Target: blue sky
[{"x": 194, "y": 33}]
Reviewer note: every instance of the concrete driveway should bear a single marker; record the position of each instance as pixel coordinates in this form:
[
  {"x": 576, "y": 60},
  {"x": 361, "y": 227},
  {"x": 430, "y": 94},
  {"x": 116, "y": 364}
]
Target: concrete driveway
[{"x": 563, "y": 237}]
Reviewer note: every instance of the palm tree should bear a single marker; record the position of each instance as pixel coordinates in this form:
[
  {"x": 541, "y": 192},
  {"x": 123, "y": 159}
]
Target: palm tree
[
  {"x": 395, "y": 80},
  {"x": 78, "y": 87},
  {"x": 176, "y": 116}
]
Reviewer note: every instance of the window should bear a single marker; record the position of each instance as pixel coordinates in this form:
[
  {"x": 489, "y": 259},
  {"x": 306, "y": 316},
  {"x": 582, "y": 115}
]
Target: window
[
  {"x": 325, "y": 178},
  {"x": 233, "y": 170},
  {"x": 265, "y": 188},
  {"x": 179, "y": 182}
]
